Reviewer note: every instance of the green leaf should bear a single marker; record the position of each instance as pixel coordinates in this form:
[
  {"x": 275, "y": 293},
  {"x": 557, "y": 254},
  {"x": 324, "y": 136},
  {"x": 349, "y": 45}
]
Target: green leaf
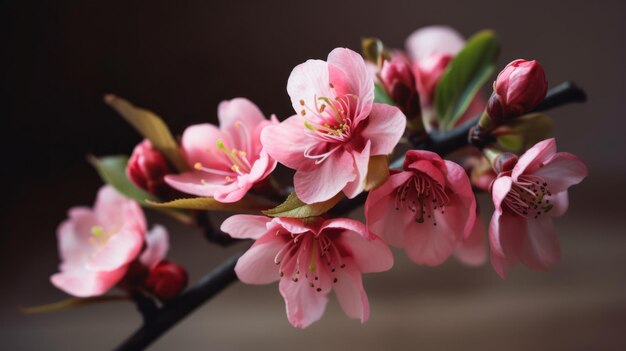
[
  {"x": 380, "y": 95},
  {"x": 246, "y": 204},
  {"x": 69, "y": 303},
  {"x": 470, "y": 69},
  {"x": 294, "y": 207},
  {"x": 524, "y": 132},
  {"x": 112, "y": 170},
  {"x": 151, "y": 127}
]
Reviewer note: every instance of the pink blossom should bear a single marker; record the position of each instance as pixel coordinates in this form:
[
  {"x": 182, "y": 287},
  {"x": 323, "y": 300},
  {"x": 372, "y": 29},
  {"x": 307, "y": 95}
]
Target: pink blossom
[
  {"x": 526, "y": 199},
  {"x": 337, "y": 128},
  {"x": 97, "y": 245},
  {"x": 227, "y": 161},
  {"x": 310, "y": 259},
  {"x": 428, "y": 208}
]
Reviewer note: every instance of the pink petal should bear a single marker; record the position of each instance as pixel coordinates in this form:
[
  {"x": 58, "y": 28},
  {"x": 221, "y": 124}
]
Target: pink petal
[
  {"x": 118, "y": 251},
  {"x": 560, "y": 202},
  {"x": 295, "y": 225},
  {"x": 232, "y": 192},
  {"x": 531, "y": 160},
  {"x": 561, "y": 171},
  {"x": 199, "y": 144},
  {"x": 380, "y": 210},
  {"x": 350, "y": 293},
  {"x": 499, "y": 190},
  {"x": 370, "y": 254},
  {"x": 350, "y": 76},
  {"x": 385, "y": 126},
  {"x": 286, "y": 143},
  {"x": 541, "y": 246},
  {"x": 459, "y": 183},
  {"x": 197, "y": 182},
  {"x": 113, "y": 210},
  {"x": 472, "y": 251},
  {"x": 82, "y": 283},
  {"x": 257, "y": 265},
  {"x": 429, "y": 169},
  {"x": 506, "y": 234},
  {"x": 304, "y": 305},
  {"x": 417, "y": 155},
  {"x": 245, "y": 226},
  {"x": 361, "y": 162},
  {"x": 73, "y": 235},
  {"x": 239, "y": 110},
  {"x": 157, "y": 244},
  {"x": 306, "y": 83},
  {"x": 327, "y": 179},
  {"x": 433, "y": 40}
]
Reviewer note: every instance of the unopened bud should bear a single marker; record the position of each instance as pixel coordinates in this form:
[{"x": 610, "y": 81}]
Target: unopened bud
[
  {"x": 166, "y": 280},
  {"x": 428, "y": 72},
  {"x": 519, "y": 88},
  {"x": 500, "y": 161},
  {"x": 147, "y": 167},
  {"x": 397, "y": 76}
]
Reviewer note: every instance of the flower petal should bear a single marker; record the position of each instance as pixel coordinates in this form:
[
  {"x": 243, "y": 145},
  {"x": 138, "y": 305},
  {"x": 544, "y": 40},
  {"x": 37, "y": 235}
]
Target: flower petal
[
  {"x": 307, "y": 82},
  {"x": 541, "y": 246},
  {"x": 385, "y": 126},
  {"x": 83, "y": 283},
  {"x": 472, "y": 251},
  {"x": 370, "y": 254},
  {"x": 459, "y": 183},
  {"x": 157, "y": 244},
  {"x": 326, "y": 180},
  {"x": 561, "y": 171},
  {"x": 197, "y": 183},
  {"x": 361, "y": 162},
  {"x": 348, "y": 74},
  {"x": 114, "y": 210},
  {"x": 506, "y": 234},
  {"x": 304, "y": 305},
  {"x": 531, "y": 160},
  {"x": 118, "y": 251},
  {"x": 350, "y": 293},
  {"x": 560, "y": 202},
  {"x": 257, "y": 265},
  {"x": 286, "y": 143},
  {"x": 433, "y": 40},
  {"x": 199, "y": 144},
  {"x": 245, "y": 226}
]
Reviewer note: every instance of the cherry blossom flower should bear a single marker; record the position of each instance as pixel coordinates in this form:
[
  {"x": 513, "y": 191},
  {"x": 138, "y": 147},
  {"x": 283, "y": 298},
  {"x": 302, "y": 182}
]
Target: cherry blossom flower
[
  {"x": 337, "y": 128},
  {"x": 227, "y": 161},
  {"x": 98, "y": 245},
  {"x": 526, "y": 199},
  {"x": 310, "y": 259},
  {"x": 428, "y": 208}
]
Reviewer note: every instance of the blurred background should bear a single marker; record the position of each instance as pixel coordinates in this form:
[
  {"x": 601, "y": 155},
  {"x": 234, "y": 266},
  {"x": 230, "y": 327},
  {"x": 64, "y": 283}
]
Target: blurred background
[{"x": 180, "y": 59}]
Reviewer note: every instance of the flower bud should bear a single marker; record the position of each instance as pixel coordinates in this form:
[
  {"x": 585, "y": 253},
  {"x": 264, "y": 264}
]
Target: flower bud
[
  {"x": 519, "y": 88},
  {"x": 397, "y": 76},
  {"x": 166, "y": 280},
  {"x": 147, "y": 167},
  {"x": 428, "y": 72}
]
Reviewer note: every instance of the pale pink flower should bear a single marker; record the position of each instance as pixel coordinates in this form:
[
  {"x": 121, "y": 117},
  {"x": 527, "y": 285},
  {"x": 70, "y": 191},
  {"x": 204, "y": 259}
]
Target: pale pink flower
[
  {"x": 337, "y": 127},
  {"x": 428, "y": 208},
  {"x": 97, "y": 245},
  {"x": 227, "y": 161},
  {"x": 526, "y": 199},
  {"x": 310, "y": 259},
  {"x": 431, "y": 49}
]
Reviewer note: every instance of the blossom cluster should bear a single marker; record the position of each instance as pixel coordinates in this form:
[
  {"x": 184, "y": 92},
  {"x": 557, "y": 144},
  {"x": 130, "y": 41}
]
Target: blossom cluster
[{"x": 352, "y": 113}]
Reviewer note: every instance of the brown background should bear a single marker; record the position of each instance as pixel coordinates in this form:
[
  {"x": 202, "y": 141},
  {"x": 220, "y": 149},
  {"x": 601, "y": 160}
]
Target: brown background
[{"x": 180, "y": 58}]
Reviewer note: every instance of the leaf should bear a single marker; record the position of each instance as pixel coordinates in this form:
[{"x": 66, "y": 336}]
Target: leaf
[
  {"x": 470, "y": 69},
  {"x": 294, "y": 207},
  {"x": 151, "y": 127},
  {"x": 524, "y": 132},
  {"x": 380, "y": 95},
  {"x": 69, "y": 303},
  {"x": 377, "y": 172},
  {"x": 112, "y": 170},
  {"x": 208, "y": 203}
]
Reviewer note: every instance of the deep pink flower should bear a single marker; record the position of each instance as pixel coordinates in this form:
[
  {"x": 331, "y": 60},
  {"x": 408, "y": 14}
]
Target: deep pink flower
[
  {"x": 147, "y": 168},
  {"x": 337, "y": 127},
  {"x": 431, "y": 49},
  {"x": 227, "y": 161},
  {"x": 427, "y": 209},
  {"x": 526, "y": 199},
  {"x": 97, "y": 245},
  {"x": 310, "y": 260}
]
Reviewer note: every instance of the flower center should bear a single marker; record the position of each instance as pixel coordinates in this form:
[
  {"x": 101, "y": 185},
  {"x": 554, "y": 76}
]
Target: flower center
[
  {"x": 237, "y": 160},
  {"x": 99, "y": 236},
  {"x": 422, "y": 196},
  {"x": 528, "y": 197},
  {"x": 314, "y": 257}
]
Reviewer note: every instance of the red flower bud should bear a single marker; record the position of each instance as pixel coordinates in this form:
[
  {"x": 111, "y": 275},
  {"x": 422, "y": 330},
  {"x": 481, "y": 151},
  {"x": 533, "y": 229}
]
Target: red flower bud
[
  {"x": 147, "y": 167},
  {"x": 166, "y": 280},
  {"x": 397, "y": 76},
  {"x": 519, "y": 88}
]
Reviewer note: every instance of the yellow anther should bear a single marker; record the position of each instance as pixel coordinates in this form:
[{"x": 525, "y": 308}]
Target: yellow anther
[
  {"x": 197, "y": 166},
  {"x": 301, "y": 102},
  {"x": 97, "y": 231},
  {"x": 303, "y": 112}
]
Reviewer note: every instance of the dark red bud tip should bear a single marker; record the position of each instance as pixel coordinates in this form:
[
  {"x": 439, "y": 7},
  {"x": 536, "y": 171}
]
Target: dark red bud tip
[
  {"x": 166, "y": 280},
  {"x": 147, "y": 168},
  {"x": 519, "y": 88},
  {"x": 504, "y": 162},
  {"x": 399, "y": 81}
]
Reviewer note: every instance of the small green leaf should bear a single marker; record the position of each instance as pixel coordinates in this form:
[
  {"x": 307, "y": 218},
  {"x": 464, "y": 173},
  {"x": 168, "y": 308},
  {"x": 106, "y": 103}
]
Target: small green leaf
[
  {"x": 151, "y": 127},
  {"x": 69, "y": 303},
  {"x": 380, "y": 95},
  {"x": 294, "y": 207},
  {"x": 524, "y": 132},
  {"x": 112, "y": 170},
  {"x": 470, "y": 69},
  {"x": 246, "y": 204}
]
